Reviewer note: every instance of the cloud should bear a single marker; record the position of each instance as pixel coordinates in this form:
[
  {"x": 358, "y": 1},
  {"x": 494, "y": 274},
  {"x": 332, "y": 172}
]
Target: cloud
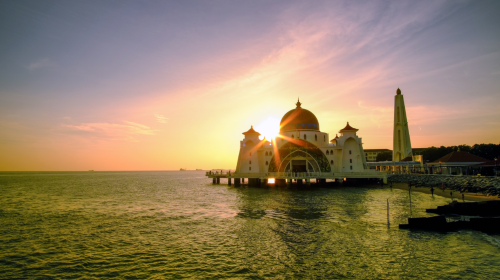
[
  {"x": 161, "y": 118},
  {"x": 113, "y": 131},
  {"x": 42, "y": 63}
]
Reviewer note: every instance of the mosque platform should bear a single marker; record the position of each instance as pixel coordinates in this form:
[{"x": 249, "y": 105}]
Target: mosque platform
[{"x": 288, "y": 177}]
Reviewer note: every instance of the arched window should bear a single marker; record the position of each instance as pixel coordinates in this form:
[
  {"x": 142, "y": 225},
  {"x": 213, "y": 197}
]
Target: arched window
[
  {"x": 305, "y": 137},
  {"x": 351, "y": 167},
  {"x": 331, "y": 152},
  {"x": 266, "y": 153},
  {"x": 315, "y": 137},
  {"x": 250, "y": 154},
  {"x": 250, "y": 162},
  {"x": 270, "y": 153},
  {"x": 293, "y": 137},
  {"x": 350, "y": 160},
  {"x": 250, "y": 168},
  {"x": 349, "y": 151},
  {"x": 324, "y": 138},
  {"x": 331, "y": 162},
  {"x": 267, "y": 163},
  {"x": 327, "y": 152}
]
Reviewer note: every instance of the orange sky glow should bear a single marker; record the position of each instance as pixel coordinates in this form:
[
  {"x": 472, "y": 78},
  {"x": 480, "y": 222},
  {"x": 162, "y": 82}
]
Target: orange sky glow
[{"x": 138, "y": 90}]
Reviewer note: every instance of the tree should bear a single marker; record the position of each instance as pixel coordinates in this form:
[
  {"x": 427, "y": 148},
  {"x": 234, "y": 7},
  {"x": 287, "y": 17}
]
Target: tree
[
  {"x": 487, "y": 151},
  {"x": 384, "y": 156}
]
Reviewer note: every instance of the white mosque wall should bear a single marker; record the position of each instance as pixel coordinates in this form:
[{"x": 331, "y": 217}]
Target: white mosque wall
[{"x": 346, "y": 156}]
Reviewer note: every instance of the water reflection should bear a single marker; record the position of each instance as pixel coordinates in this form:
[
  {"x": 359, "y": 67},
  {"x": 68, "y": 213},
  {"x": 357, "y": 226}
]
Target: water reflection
[{"x": 169, "y": 225}]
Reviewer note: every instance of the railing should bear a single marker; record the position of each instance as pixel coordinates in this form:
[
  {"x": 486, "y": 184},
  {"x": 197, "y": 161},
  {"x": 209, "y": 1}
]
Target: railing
[
  {"x": 300, "y": 175},
  {"x": 218, "y": 173}
]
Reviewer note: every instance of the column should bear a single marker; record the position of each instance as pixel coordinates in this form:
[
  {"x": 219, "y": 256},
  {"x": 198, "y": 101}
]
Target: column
[{"x": 229, "y": 181}]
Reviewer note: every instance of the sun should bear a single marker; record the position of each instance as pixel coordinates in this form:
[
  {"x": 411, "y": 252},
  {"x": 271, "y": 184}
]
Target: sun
[{"x": 269, "y": 128}]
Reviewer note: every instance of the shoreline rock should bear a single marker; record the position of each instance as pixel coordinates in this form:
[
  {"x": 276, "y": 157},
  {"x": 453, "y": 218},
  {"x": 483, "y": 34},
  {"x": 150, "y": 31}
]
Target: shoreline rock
[{"x": 474, "y": 184}]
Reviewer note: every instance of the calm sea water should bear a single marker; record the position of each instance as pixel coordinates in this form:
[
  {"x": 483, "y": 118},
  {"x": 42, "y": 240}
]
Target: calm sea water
[{"x": 174, "y": 225}]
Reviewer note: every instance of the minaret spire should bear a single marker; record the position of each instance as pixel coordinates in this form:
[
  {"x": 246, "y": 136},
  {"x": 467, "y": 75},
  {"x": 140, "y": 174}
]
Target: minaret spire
[
  {"x": 401, "y": 144},
  {"x": 298, "y": 103}
]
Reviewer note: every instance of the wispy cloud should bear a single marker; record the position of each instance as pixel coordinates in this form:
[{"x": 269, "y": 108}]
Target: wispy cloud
[
  {"x": 161, "y": 118},
  {"x": 129, "y": 131},
  {"x": 42, "y": 63}
]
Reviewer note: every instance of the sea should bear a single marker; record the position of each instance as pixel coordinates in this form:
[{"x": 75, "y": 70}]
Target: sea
[{"x": 178, "y": 225}]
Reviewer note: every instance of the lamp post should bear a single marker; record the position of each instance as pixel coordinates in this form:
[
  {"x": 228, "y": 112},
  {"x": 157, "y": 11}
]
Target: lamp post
[{"x": 496, "y": 167}]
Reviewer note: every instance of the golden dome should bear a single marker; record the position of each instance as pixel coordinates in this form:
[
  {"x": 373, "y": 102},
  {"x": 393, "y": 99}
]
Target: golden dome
[{"x": 299, "y": 118}]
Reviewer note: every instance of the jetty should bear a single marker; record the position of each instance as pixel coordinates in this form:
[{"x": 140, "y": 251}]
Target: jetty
[
  {"x": 441, "y": 223},
  {"x": 287, "y": 178}
]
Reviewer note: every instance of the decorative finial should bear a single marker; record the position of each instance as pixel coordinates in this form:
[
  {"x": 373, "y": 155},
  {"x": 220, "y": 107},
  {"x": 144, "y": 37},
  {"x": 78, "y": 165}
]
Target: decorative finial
[
  {"x": 298, "y": 103},
  {"x": 398, "y": 91}
]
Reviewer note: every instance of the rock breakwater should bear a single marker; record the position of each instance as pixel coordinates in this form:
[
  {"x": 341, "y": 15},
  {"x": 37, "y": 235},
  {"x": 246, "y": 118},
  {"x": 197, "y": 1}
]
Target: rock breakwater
[{"x": 474, "y": 184}]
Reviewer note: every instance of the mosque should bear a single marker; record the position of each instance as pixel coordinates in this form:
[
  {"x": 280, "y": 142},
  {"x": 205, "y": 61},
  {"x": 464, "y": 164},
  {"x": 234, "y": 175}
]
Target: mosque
[{"x": 302, "y": 152}]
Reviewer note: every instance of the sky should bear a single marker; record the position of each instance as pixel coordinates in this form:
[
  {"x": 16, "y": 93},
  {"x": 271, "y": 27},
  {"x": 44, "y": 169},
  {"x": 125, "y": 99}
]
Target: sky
[{"x": 160, "y": 85}]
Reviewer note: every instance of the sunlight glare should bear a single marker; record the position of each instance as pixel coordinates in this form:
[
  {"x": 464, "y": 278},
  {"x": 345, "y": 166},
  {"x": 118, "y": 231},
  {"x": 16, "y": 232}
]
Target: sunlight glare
[{"x": 269, "y": 128}]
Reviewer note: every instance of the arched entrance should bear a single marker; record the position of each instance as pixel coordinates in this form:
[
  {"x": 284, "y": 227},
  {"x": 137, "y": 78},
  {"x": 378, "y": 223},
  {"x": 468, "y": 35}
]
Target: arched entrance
[
  {"x": 299, "y": 156},
  {"x": 299, "y": 161}
]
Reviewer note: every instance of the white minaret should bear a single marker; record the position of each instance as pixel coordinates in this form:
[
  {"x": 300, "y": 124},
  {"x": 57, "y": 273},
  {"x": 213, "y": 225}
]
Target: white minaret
[{"x": 401, "y": 144}]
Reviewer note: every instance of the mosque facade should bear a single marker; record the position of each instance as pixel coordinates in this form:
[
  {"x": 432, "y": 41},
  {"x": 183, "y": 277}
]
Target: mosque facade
[{"x": 303, "y": 150}]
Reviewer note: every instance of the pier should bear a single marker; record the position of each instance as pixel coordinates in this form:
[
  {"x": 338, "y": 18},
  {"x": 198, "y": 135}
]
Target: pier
[{"x": 282, "y": 178}]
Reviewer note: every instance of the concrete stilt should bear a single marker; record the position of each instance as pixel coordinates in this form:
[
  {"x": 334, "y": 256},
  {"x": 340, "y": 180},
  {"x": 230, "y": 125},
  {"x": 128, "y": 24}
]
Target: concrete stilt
[
  {"x": 385, "y": 180},
  {"x": 214, "y": 180},
  {"x": 237, "y": 181},
  {"x": 218, "y": 180},
  {"x": 229, "y": 181},
  {"x": 308, "y": 181}
]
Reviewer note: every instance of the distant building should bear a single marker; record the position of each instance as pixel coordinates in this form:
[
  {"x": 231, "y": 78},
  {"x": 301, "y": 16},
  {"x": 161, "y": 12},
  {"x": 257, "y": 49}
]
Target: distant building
[
  {"x": 371, "y": 154},
  {"x": 457, "y": 163}
]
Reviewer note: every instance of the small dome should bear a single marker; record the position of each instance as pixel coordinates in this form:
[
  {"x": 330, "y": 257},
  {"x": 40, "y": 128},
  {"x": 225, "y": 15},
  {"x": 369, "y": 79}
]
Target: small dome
[
  {"x": 251, "y": 131},
  {"x": 299, "y": 118}
]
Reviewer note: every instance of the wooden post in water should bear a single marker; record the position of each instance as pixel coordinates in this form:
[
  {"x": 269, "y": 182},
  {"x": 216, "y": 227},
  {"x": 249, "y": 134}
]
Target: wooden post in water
[
  {"x": 229, "y": 181},
  {"x": 388, "y": 222},
  {"x": 409, "y": 191}
]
